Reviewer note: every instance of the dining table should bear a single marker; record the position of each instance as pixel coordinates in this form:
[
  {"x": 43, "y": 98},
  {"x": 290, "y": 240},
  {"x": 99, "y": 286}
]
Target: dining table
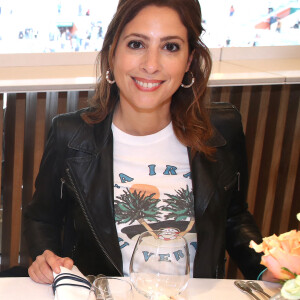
[{"x": 23, "y": 288}]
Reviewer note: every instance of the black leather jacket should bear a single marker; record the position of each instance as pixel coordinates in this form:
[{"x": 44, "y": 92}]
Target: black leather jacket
[{"x": 72, "y": 211}]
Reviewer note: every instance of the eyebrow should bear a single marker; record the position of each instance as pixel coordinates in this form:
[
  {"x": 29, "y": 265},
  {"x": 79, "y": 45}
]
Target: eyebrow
[{"x": 166, "y": 38}]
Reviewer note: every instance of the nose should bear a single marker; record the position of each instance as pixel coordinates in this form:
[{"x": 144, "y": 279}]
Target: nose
[{"x": 151, "y": 61}]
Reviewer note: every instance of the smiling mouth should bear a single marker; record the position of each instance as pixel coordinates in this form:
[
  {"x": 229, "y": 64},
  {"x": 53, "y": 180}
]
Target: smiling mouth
[{"x": 147, "y": 85}]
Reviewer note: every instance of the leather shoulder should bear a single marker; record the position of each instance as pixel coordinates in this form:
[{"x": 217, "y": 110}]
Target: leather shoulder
[
  {"x": 226, "y": 119},
  {"x": 68, "y": 120},
  {"x": 66, "y": 125},
  {"x": 73, "y": 132}
]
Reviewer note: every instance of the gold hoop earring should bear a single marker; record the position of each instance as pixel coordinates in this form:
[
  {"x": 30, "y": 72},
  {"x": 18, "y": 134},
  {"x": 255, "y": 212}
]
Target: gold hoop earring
[
  {"x": 186, "y": 86},
  {"x": 107, "y": 77}
]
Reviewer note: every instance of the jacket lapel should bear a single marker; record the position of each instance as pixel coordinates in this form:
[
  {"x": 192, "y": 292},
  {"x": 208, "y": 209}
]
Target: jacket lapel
[
  {"x": 93, "y": 179},
  {"x": 203, "y": 178}
]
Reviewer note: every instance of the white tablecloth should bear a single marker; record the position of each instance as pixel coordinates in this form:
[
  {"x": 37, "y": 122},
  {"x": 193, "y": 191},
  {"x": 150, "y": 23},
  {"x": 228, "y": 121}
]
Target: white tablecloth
[{"x": 206, "y": 289}]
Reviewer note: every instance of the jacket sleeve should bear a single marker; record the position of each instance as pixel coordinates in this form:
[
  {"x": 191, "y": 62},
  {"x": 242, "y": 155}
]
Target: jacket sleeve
[
  {"x": 43, "y": 217},
  {"x": 241, "y": 227}
]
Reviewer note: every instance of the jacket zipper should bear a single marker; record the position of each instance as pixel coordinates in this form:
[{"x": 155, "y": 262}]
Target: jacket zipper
[
  {"x": 61, "y": 187},
  {"x": 89, "y": 223},
  {"x": 231, "y": 184}
]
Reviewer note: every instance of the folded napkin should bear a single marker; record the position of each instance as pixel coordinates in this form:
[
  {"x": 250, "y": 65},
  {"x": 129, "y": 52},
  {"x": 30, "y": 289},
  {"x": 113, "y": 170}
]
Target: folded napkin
[{"x": 70, "y": 285}]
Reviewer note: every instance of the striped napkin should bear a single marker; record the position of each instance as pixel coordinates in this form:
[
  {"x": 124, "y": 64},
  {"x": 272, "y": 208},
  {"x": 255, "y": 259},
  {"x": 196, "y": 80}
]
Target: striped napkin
[{"x": 70, "y": 285}]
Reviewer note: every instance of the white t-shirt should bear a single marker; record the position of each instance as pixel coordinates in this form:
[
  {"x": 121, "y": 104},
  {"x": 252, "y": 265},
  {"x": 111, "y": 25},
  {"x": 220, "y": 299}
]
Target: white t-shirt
[{"x": 152, "y": 188}]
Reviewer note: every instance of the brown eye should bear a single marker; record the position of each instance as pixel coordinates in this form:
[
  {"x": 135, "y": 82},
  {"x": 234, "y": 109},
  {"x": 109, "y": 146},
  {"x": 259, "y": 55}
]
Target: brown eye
[
  {"x": 172, "y": 47},
  {"x": 135, "y": 45}
]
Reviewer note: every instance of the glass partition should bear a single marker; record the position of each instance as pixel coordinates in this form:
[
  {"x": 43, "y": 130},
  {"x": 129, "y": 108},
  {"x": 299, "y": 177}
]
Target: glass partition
[
  {"x": 236, "y": 23},
  {"x": 35, "y": 26}
]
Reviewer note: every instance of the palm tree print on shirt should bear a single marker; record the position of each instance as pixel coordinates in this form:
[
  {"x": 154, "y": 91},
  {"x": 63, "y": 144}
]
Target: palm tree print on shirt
[
  {"x": 180, "y": 207},
  {"x": 137, "y": 205}
]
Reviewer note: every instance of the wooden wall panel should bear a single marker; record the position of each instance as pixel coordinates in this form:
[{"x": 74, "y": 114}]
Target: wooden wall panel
[
  {"x": 254, "y": 167},
  {"x": 83, "y": 99},
  {"x": 29, "y": 141},
  {"x": 77, "y": 100},
  {"x": 244, "y": 107},
  {"x": 292, "y": 173},
  {"x": 286, "y": 183},
  {"x": 52, "y": 105},
  {"x": 72, "y": 100},
  {"x": 275, "y": 155},
  {"x": 225, "y": 93},
  {"x": 40, "y": 134},
  {"x": 13, "y": 170},
  {"x": 1, "y": 143},
  {"x": 215, "y": 94},
  {"x": 293, "y": 221},
  {"x": 33, "y": 151},
  {"x": 62, "y": 102},
  {"x": 56, "y": 103},
  {"x": 1, "y": 159}
]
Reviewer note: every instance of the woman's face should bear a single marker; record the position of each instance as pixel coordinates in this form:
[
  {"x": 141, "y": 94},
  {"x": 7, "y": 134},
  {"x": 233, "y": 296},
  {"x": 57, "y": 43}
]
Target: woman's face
[{"x": 151, "y": 58}]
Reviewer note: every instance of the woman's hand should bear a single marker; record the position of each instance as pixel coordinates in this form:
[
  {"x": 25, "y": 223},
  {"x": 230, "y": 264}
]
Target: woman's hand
[{"x": 42, "y": 268}]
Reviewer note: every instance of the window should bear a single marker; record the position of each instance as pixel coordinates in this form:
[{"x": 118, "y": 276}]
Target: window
[
  {"x": 235, "y": 23},
  {"x": 40, "y": 26}
]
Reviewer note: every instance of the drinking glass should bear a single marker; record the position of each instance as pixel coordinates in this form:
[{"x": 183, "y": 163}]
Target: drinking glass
[
  {"x": 111, "y": 288},
  {"x": 160, "y": 264}
]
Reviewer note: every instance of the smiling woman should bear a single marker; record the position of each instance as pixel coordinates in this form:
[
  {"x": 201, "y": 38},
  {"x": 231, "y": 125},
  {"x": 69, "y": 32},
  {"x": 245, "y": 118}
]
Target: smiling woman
[{"x": 148, "y": 154}]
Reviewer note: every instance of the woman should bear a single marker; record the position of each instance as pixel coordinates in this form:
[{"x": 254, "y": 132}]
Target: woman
[{"x": 144, "y": 156}]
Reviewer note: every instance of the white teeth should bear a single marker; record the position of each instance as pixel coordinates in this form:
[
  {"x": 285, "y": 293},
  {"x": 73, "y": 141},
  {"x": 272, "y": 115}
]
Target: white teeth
[{"x": 147, "y": 85}]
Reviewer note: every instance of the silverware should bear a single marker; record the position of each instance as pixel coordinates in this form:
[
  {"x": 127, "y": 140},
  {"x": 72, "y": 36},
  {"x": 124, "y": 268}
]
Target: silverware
[
  {"x": 245, "y": 288},
  {"x": 255, "y": 286}
]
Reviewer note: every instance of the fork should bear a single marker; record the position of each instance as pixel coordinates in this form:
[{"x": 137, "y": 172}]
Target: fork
[
  {"x": 255, "y": 286},
  {"x": 245, "y": 288}
]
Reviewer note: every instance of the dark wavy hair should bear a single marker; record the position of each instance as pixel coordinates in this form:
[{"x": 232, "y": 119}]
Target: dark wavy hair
[{"x": 188, "y": 113}]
